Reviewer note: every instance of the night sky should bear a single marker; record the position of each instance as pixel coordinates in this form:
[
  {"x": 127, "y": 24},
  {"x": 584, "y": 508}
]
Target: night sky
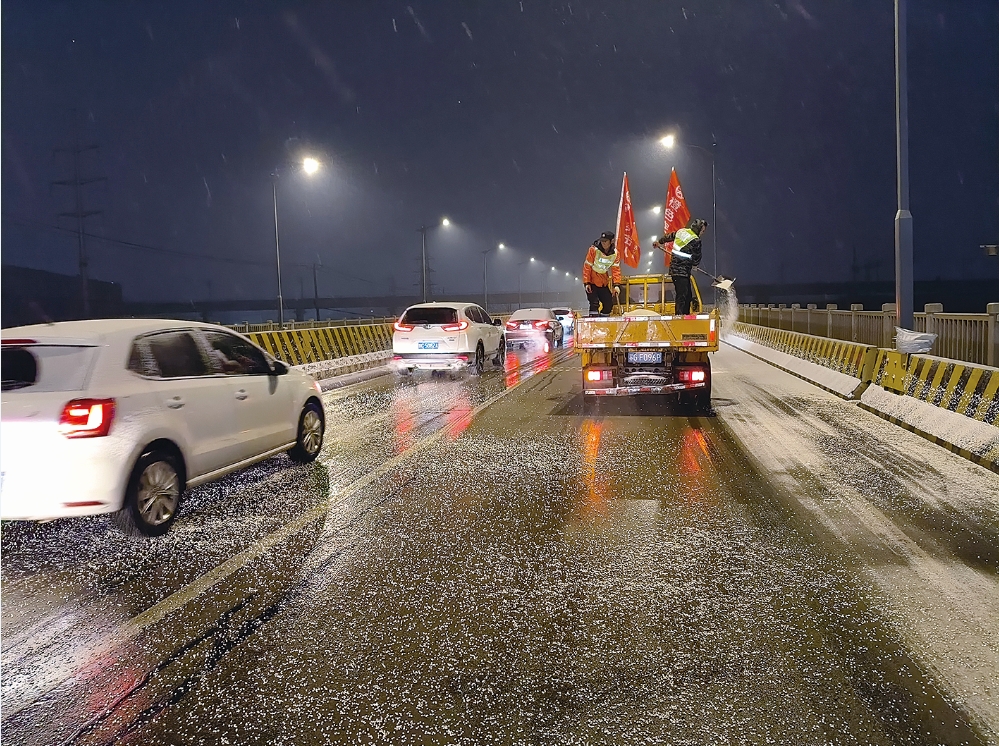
[{"x": 513, "y": 118}]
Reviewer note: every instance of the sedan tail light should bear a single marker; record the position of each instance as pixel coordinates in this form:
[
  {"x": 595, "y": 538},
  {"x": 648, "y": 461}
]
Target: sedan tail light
[
  {"x": 87, "y": 418},
  {"x": 513, "y": 325},
  {"x": 400, "y": 327},
  {"x": 459, "y": 327},
  {"x": 540, "y": 324}
]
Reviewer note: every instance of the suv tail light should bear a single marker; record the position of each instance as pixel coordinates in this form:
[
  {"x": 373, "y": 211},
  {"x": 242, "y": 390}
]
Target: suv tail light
[
  {"x": 400, "y": 327},
  {"x": 459, "y": 327},
  {"x": 540, "y": 324},
  {"x": 87, "y": 418}
]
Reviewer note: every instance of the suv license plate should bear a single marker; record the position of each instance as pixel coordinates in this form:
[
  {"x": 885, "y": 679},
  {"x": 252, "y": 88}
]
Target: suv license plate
[
  {"x": 427, "y": 345},
  {"x": 645, "y": 357}
]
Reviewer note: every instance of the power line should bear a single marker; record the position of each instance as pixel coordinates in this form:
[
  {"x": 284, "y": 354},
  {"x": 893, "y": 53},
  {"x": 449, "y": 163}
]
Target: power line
[{"x": 169, "y": 252}]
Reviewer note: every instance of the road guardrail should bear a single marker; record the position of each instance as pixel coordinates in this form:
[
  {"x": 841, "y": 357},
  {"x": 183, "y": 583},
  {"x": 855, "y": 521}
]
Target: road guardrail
[{"x": 970, "y": 337}]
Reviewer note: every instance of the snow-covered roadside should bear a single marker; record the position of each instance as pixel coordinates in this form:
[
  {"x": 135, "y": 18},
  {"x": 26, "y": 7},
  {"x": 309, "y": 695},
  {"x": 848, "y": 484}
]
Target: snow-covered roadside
[
  {"x": 827, "y": 378},
  {"x": 960, "y": 431},
  {"x": 957, "y": 431},
  {"x": 351, "y": 364},
  {"x": 918, "y": 520}
]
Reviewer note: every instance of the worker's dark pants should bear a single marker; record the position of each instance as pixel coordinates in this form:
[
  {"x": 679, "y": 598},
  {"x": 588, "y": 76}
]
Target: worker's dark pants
[
  {"x": 601, "y": 296},
  {"x": 683, "y": 295}
]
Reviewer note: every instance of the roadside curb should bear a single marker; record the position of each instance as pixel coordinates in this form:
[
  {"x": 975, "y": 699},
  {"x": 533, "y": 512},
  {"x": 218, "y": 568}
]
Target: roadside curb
[{"x": 852, "y": 397}]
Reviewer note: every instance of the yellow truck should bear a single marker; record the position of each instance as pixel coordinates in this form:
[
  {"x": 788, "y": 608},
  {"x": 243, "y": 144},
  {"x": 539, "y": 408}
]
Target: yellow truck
[{"x": 643, "y": 348}]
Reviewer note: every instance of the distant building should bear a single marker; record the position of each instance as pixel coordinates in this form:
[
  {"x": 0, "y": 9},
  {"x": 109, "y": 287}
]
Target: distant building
[{"x": 35, "y": 296}]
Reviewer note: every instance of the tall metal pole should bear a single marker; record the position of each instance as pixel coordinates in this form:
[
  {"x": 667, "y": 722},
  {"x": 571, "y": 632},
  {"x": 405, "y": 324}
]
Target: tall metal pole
[
  {"x": 277, "y": 250},
  {"x": 903, "y": 218},
  {"x": 423, "y": 231},
  {"x": 714, "y": 217},
  {"x": 485, "y": 284},
  {"x": 315, "y": 289}
]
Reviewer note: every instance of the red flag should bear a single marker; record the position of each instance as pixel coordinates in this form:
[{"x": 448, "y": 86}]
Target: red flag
[
  {"x": 627, "y": 231},
  {"x": 675, "y": 213}
]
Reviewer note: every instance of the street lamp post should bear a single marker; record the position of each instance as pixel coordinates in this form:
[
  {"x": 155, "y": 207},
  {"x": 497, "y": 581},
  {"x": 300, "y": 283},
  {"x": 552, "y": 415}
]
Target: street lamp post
[
  {"x": 277, "y": 251},
  {"x": 422, "y": 230},
  {"x": 903, "y": 218},
  {"x": 485, "y": 282},
  {"x": 310, "y": 166}
]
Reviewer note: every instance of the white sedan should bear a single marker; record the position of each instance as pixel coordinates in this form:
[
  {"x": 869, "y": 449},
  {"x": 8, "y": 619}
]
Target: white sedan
[
  {"x": 448, "y": 337},
  {"x": 535, "y": 327},
  {"x": 121, "y": 416}
]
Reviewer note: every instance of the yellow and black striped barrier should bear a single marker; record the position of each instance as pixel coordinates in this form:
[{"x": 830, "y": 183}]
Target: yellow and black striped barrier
[
  {"x": 966, "y": 389},
  {"x": 302, "y": 346},
  {"x": 849, "y": 358}
]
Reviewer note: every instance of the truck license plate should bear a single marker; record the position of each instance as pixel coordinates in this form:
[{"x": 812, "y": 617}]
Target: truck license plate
[
  {"x": 427, "y": 345},
  {"x": 645, "y": 357}
]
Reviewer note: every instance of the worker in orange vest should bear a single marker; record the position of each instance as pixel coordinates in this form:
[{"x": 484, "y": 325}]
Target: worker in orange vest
[{"x": 602, "y": 275}]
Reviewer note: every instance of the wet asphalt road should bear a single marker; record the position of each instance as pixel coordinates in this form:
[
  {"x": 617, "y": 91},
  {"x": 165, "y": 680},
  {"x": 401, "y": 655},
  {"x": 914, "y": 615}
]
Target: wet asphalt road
[{"x": 531, "y": 571}]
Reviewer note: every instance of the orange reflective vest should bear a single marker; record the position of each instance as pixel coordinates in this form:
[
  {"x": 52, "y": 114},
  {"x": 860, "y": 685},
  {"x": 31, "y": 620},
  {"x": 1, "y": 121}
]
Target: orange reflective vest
[{"x": 597, "y": 265}]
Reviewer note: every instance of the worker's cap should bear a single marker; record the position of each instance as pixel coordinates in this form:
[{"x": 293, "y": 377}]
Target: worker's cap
[{"x": 607, "y": 235}]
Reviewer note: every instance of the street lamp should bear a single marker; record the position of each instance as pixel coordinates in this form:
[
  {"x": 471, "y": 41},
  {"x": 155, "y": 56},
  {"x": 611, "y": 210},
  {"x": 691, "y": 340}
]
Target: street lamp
[
  {"x": 656, "y": 210},
  {"x": 668, "y": 142},
  {"x": 422, "y": 230},
  {"x": 485, "y": 283},
  {"x": 310, "y": 166}
]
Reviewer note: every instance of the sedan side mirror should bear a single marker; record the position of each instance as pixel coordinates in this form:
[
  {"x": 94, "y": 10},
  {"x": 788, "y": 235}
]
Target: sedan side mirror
[
  {"x": 279, "y": 368},
  {"x": 497, "y": 322}
]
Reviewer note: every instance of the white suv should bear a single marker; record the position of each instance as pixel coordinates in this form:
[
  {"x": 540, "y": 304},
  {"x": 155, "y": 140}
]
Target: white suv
[
  {"x": 448, "y": 337},
  {"x": 121, "y": 416}
]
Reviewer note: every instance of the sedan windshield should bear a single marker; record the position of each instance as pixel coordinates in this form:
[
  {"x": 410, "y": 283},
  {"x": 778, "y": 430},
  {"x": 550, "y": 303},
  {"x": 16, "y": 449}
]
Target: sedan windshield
[{"x": 430, "y": 315}]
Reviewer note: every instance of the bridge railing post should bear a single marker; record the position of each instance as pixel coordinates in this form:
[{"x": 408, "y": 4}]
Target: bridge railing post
[
  {"x": 808, "y": 317},
  {"x": 931, "y": 323},
  {"x": 992, "y": 339},
  {"x": 887, "y": 324},
  {"x": 854, "y": 307},
  {"x": 830, "y": 307}
]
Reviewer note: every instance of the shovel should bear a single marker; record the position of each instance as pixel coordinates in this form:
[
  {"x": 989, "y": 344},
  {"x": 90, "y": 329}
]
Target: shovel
[{"x": 719, "y": 282}]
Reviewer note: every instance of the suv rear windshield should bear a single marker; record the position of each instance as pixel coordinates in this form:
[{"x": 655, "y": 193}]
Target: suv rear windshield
[
  {"x": 434, "y": 316},
  {"x": 45, "y": 367}
]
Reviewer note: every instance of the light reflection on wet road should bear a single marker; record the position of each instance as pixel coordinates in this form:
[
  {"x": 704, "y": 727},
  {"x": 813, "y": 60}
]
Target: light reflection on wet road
[{"x": 542, "y": 573}]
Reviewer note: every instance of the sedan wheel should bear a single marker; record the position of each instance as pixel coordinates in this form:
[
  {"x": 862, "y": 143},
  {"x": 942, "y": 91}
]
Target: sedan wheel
[
  {"x": 311, "y": 427},
  {"x": 152, "y": 497}
]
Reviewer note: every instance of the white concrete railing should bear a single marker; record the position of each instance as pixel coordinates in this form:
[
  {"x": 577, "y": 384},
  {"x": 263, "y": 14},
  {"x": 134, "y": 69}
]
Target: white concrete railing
[
  {"x": 273, "y": 326},
  {"x": 971, "y": 337}
]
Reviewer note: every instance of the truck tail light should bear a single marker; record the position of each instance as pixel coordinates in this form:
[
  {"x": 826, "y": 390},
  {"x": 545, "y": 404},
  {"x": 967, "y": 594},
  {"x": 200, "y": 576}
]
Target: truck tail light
[
  {"x": 598, "y": 375},
  {"x": 87, "y": 418},
  {"x": 400, "y": 327},
  {"x": 692, "y": 375},
  {"x": 459, "y": 327}
]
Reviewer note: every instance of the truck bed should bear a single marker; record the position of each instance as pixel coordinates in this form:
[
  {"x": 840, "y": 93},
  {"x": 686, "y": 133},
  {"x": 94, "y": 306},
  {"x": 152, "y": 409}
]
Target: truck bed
[{"x": 695, "y": 332}]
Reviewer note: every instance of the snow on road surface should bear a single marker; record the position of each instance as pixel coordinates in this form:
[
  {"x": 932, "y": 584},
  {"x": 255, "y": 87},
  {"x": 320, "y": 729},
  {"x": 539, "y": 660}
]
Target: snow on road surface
[{"x": 921, "y": 522}]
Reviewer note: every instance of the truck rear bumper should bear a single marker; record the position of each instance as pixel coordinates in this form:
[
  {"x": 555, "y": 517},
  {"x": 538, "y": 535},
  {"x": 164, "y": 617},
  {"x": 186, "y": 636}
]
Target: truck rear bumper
[{"x": 670, "y": 388}]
